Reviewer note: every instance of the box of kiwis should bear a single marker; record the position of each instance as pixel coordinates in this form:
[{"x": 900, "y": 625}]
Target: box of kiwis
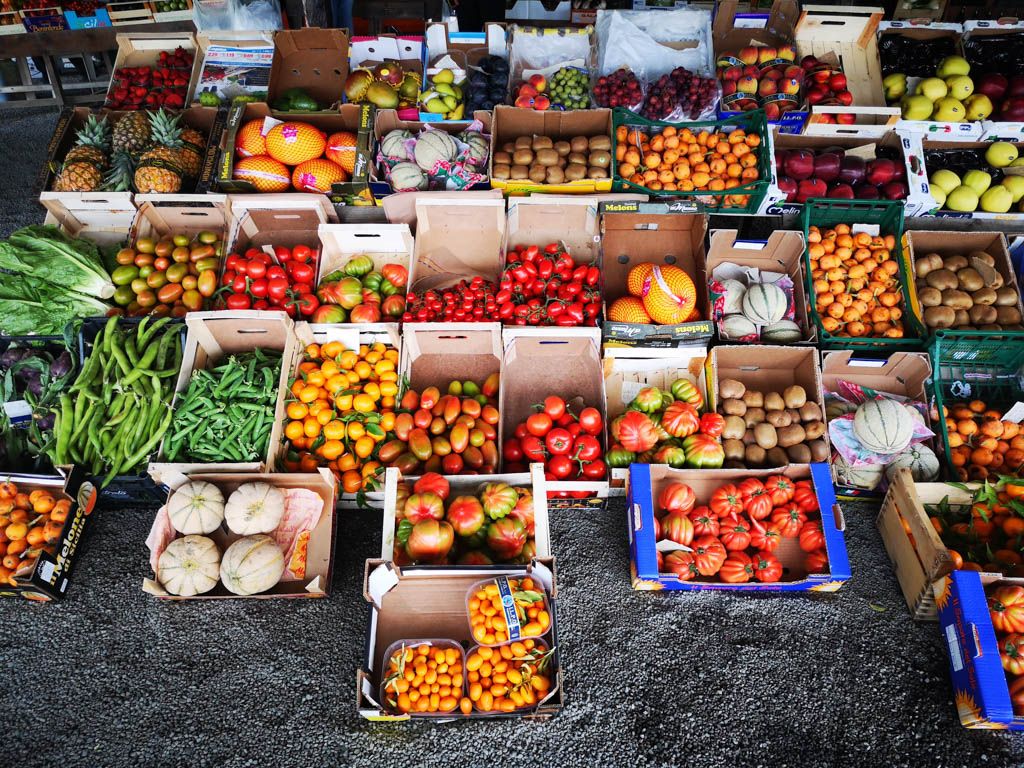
[{"x": 559, "y": 152}]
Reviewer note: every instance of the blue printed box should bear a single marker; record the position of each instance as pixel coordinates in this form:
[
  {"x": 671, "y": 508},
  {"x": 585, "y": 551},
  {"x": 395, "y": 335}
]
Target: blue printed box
[{"x": 646, "y": 481}]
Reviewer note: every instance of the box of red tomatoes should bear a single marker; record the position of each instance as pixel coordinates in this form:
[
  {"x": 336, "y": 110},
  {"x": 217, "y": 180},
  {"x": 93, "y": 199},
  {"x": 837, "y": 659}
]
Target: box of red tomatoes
[
  {"x": 983, "y": 628},
  {"x": 756, "y": 530}
]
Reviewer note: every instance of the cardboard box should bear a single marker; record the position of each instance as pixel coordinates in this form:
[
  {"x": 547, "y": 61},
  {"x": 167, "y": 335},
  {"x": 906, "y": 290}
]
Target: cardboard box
[
  {"x": 387, "y": 120},
  {"x": 49, "y": 19},
  {"x": 212, "y": 337},
  {"x": 457, "y": 239},
  {"x": 353, "y": 118},
  {"x": 143, "y": 49},
  {"x": 848, "y": 33},
  {"x": 408, "y": 50},
  {"x": 915, "y": 148},
  {"x": 319, "y": 547},
  {"x": 418, "y": 602},
  {"x": 232, "y": 63},
  {"x": 571, "y": 221},
  {"x": 919, "y": 558},
  {"x": 661, "y": 233},
  {"x": 10, "y": 23},
  {"x": 384, "y": 243},
  {"x": 468, "y": 485},
  {"x": 980, "y": 688},
  {"x": 918, "y": 10},
  {"x": 782, "y": 252},
  {"x": 901, "y": 373},
  {"x": 48, "y": 578},
  {"x": 946, "y": 244},
  {"x": 625, "y": 376},
  {"x": 105, "y": 218},
  {"x": 434, "y": 354},
  {"x": 646, "y": 482},
  {"x": 566, "y": 362},
  {"x": 164, "y": 215},
  {"x": 509, "y": 123},
  {"x": 869, "y": 122},
  {"x": 464, "y": 49},
  {"x": 315, "y": 60},
  {"x": 184, "y": 14},
  {"x": 263, "y": 221},
  {"x": 764, "y": 368}
]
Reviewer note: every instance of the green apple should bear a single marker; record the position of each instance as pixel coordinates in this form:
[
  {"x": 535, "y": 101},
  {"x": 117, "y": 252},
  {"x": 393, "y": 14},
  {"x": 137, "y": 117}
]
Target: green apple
[
  {"x": 1000, "y": 154},
  {"x": 963, "y": 199},
  {"x": 960, "y": 86},
  {"x": 1016, "y": 186},
  {"x": 953, "y": 65},
  {"x": 895, "y": 87},
  {"x": 979, "y": 107},
  {"x": 939, "y": 195},
  {"x": 949, "y": 110},
  {"x": 945, "y": 180},
  {"x": 1017, "y": 163},
  {"x": 997, "y": 199},
  {"x": 977, "y": 180},
  {"x": 933, "y": 88},
  {"x": 916, "y": 107}
]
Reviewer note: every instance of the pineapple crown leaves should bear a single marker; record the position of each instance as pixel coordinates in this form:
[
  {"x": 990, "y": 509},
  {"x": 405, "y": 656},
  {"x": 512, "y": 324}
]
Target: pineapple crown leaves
[
  {"x": 95, "y": 133},
  {"x": 165, "y": 130}
]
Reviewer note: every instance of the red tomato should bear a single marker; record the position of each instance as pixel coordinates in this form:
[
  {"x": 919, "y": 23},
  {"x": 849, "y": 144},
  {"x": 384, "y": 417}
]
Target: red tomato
[
  {"x": 558, "y": 441},
  {"x": 238, "y": 301},
  {"x": 282, "y": 253},
  {"x": 302, "y": 253},
  {"x": 533, "y": 448},
  {"x": 789, "y": 518},
  {"x": 591, "y": 421},
  {"x": 803, "y": 494},
  {"x": 780, "y": 487},
  {"x": 560, "y": 466},
  {"x": 277, "y": 289},
  {"x": 554, "y": 406},
  {"x": 726, "y": 501},
  {"x": 811, "y": 536},
  {"x": 758, "y": 504},
  {"x": 275, "y": 272},
  {"x": 308, "y": 303},
  {"x": 737, "y": 568},
  {"x": 586, "y": 447},
  {"x": 520, "y": 431},
  {"x": 539, "y": 424},
  {"x": 258, "y": 288},
  {"x": 301, "y": 272},
  {"x": 256, "y": 269},
  {"x": 704, "y": 522},
  {"x": 766, "y": 566},
  {"x": 735, "y": 533},
  {"x": 512, "y": 450},
  {"x": 595, "y": 470}
]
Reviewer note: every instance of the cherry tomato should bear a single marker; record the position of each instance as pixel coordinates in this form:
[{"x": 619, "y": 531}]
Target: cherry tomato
[
  {"x": 276, "y": 271},
  {"x": 538, "y": 424},
  {"x": 558, "y": 441},
  {"x": 232, "y": 262},
  {"x": 261, "y": 304},
  {"x": 554, "y": 406},
  {"x": 520, "y": 431},
  {"x": 533, "y": 448},
  {"x": 591, "y": 421},
  {"x": 586, "y": 448},
  {"x": 560, "y": 467},
  {"x": 240, "y": 284},
  {"x": 277, "y": 289},
  {"x": 308, "y": 303},
  {"x": 229, "y": 278}
]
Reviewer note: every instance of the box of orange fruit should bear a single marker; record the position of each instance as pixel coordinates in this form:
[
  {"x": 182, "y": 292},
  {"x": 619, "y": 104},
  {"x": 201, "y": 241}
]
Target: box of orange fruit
[
  {"x": 726, "y": 164},
  {"x": 655, "y": 282},
  {"x": 322, "y": 153},
  {"x": 42, "y": 521}
]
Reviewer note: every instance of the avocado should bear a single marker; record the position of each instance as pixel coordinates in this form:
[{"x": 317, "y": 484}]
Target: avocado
[{"x": 304, "y": 103}]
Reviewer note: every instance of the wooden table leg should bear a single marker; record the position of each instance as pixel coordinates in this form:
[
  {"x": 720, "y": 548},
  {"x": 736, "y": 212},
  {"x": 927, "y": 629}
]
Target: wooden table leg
[{"x": 51, "y": 73}]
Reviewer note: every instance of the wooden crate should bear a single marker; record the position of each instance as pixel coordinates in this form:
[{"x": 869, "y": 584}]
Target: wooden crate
[{"x": 130, "y": 12}]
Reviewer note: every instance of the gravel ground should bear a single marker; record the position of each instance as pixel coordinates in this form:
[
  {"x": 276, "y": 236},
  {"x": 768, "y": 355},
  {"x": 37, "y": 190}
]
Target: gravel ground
[{"x": 112, "y": 677}]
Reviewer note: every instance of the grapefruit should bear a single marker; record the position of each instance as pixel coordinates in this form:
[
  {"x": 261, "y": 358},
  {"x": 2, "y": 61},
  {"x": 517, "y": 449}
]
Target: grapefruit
[
  {"x": 265, "y": 173},
  {"x": 628, "y": 309},
  {"x": 669, "y": 295},
  {"x": 249, "y": 141},
  {"x": 637, "y": 275},
  {"x": 341, "y": 148},
  {"x": 317, "y": 176},
  {"x": 293, "y": 143}
]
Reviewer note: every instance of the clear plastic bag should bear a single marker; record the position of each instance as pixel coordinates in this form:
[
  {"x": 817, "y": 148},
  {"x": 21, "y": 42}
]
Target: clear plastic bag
[{"x": 262, "y": 15}]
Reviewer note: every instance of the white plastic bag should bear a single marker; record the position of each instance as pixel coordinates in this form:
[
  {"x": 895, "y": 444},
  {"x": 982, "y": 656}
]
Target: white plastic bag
[{"x": 649, "y": 42}]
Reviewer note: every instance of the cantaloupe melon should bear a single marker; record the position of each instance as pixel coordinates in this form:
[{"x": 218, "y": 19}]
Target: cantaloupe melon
[
  {"x": 867, "y": 478},
  {"x": 433, "y": 147},
  {"x": 883, "y": 426},
  {"x": 393, "y": 145},
  {"x": 736, "y": 327},
  {"x": 406, "y": 176},
  {"x": 732, "y": 296},
  {"x": 764, "y": 303},
  {"x": 784, "y": 331},
  {"x": 920, "y": 460}
]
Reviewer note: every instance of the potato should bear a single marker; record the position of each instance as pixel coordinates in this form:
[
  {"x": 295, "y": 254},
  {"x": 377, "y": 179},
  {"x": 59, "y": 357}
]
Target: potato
[
  {"x": 791, "y": 435},
  {"x": 730, "y": 389},
  {"x": 814, "y": 429},
  {"x": 951, "y": 297},
  {"x": 519, "y": 172},
  {"x": 982, "y": 256},
  {"x": 509, "y": 148},
  {"x": 992, "y": 327},
  {"x": 503, "y": 158},
  {"x": 794, "y": 415},
  {"x": 755, "y": 456},
  {"x": 983, "y": 315},
  {"x": 930, "y": 297},
  {"x": 555, "y": 175},
  {"x": 547, "y": 157},
  {"x": 734, "y": 428},
  {"x": 961, "y": 318},
  {"x": 733, "y": 407},
  {"x": 753, "y": 399},
  {"x": 575, "y": 172},
  {"x": 580, "y": 144},
  {"x": 602, "y": 143},
  {"x": 524, "y": 142},
  {"x": 563, "y": 148},
  {"x": 542, "y": 142},
  {"x": 1007, "y": 315},
  {"x": 810, "y": 411},
  {"x": 1006, "y": 296},
  {"x": 941, "y": 279},
  {"x": 777, "y": 457},
  {"x": 748, "y": 437},
  {"x": 734, "y": 449},
  {"x": 501, "y": 171},
  {"x": 734, "y": 465},
  {"x": 970, "y": 280},
  {"x": 597, "y": 173},
  {"x": 799, "y": 453},
  {"x": 928, "y": 263},
  {"x": 754, "y": 416},
  {"x": 577, "y": 157},
  {"x": 773, "y": 402},
  {"x": 819, "y": 451},
  {"x": 954, "y": 263},
  {"x": 538, "y": 173},
  {"x": 523, "y": 157},
  {"x": 795, "y": 396},
  {"x": 766, "y": 436},
  {"x": 778, "y": 419},
  {"x": 939, "y": 317},
  {"x": 985, "y": 296},
  {"x": 600, "y": 159}
]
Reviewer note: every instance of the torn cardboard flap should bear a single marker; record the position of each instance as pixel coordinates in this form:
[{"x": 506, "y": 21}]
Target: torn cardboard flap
[
  {"x": 457, "y": 238},
  {"x": 383, "y": 243},
  {"x": 571, "y": 221},
  {"x": 434, "y": 354}
]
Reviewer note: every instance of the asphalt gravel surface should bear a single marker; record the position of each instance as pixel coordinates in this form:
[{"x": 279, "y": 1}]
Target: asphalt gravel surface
[{"x": 113, "y": 677}]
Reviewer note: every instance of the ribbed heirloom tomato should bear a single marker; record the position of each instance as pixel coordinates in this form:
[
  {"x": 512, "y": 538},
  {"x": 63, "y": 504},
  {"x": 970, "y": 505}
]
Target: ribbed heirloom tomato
[{"x": 1006, "y": 606}]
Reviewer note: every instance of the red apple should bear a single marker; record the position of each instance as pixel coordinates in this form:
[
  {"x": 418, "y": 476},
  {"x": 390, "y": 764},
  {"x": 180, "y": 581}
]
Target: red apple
[
  {"x": 881, "y": 171},
  {"x": 852, "y": 170},
  {"x": 846, "y": 118},
  {"x": 837, "y": 82},
  {"x": 808, "y": 62},
  {"x": 1012, "y": 110},
  {"x": 866, "y": 192},
  {"x": 788, "y": 186},
  {"x": 842, "y": 191},
  {"x": 809, "y": 188},
  {"x": 1016, "y": 86},
  {"x": 895, "y": 190},
  {"x": 817, "y": 94},
  {"x": 799, "y": 164},
  {"x": 992, "y": 85},
  {"x": 845, "y": 98},
  {"x": 826, "y": 166}
]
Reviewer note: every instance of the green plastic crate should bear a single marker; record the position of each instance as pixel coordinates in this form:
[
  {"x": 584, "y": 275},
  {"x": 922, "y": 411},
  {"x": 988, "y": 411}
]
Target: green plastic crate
[
  {"x": 824, "y": 213},
  {"x": 974, "y": 365},
  {"x": 752, "y": 121}
]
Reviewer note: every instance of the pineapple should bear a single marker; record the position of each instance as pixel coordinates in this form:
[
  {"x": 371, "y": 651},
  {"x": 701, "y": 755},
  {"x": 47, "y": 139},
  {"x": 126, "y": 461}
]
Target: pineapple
[
  {"x": 83, "y": 166},
  {"x": 118, "y": 177},
  {"x": 86, "y": 154},
  {"x": 78, "y": 177},
  {"x": 160, "y": 169},
  {"x": 132, "y": 133},
  {"x": 192, "y": 150}
]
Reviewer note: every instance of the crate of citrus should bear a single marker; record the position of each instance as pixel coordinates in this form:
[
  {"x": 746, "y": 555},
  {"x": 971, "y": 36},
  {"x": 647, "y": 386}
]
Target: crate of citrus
[
  {"x": 341, "y": 404},
  {"x": 505, "y": 609},
  {"x": 856, "y": 276},
  {"x": 724, "y": 164}
]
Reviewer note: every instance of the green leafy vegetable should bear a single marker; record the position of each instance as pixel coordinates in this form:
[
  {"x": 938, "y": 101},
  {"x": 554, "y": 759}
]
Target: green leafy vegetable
[
  {"x": 29, "y": 306},
  {"x": 45, "y": 253}
]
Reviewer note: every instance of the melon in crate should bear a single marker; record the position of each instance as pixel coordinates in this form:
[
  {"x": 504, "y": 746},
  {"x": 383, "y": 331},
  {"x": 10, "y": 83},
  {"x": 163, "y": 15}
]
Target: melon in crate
[
  {"x": 669, "y": 295},
  {"x": 732, "y": 296},
  {"x": 920, "y": 460},
  {"x": 393, "y": 145},
  {"x": 432, "y": 148},
  {"x": 736, "y": 327},
  {"x": 867, "y": 478},
  {"x": 251, "y": 565},
  {"x": 406, "y": 176},
  {"x": 783, "y": 330},
  {"x": 883, "y": 426},
  {"x": 764, "y": 303},
  {"x": 479, "y": 148}
]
